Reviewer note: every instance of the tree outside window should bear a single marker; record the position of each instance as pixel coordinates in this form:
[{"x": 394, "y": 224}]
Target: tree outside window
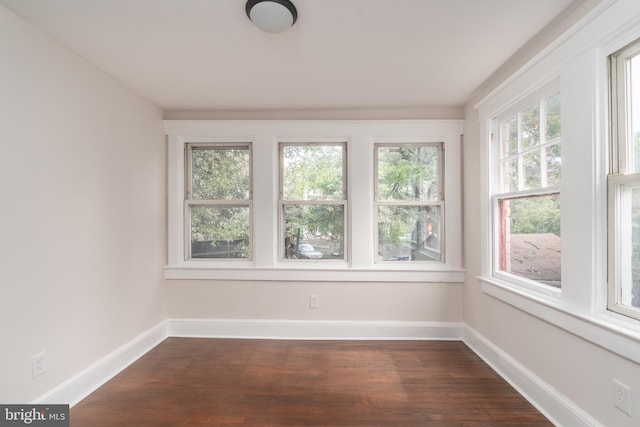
[
  {"x": 528, "y": 197},
  {"x": 218, "y": 201},
  {"x": 313, "y": 200},
  {"x": 409, "y": 201}
]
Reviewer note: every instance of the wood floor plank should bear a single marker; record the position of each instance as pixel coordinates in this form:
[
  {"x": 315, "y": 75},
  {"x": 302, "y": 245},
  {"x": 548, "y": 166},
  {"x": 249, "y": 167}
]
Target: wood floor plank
[{"x": 226, "y": 382}]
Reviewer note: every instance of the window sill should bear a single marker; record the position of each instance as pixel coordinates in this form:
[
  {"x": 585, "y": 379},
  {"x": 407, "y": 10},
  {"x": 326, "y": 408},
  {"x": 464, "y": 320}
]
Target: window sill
[
  {"x": 314, "y": 273},
  {"x": 605, "y": 330}
]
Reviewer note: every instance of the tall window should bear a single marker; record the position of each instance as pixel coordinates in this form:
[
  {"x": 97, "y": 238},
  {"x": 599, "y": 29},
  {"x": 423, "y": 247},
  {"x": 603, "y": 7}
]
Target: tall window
[
  {"x": 624, "y": 183},
  {"x": 410, "y": 202},
  {"x": 313, "y": 200},
  {"x": 527, "y": 195},
  {"x": 218, "y": 201}
]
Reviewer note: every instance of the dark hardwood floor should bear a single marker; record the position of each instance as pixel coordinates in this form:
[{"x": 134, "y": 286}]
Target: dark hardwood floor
[{"x": 224, "y": 382}]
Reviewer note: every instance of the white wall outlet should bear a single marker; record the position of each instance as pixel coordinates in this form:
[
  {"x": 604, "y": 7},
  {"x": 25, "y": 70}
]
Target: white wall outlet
[
  {"x": 314, "y": 301},
  {"x": 622, "y": 397},
  {"x": 38, "y": 364}
]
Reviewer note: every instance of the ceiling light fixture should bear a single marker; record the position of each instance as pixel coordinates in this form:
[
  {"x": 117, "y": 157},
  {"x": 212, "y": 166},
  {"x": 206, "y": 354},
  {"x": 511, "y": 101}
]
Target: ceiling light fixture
[{"x": 272, "y": 16}]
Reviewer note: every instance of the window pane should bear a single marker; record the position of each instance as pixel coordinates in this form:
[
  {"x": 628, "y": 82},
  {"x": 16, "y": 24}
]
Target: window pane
[
  {"x": 554, "y": 164},
  {"x": 630, "y": 233},
  {"x": 530, "y": 238},
  {"x": 510, "y": 137},
  {"x": 531, "y": 164},
  {"x": 219, "y": 232},
  {"x": 633, "y": 295},
  {"x": 409, "y": 233},
  {"x": 510, "y": 179},
  {"x": 634, "y": 93},
  {"x": 220, "y": 173},
  {"x": 553, "y": 117},
  {"x": 314, "y": 231},
  {"x": 531, "y": 127},
  {"x": 408, "y": 173},
  {"x": 313, "y": 172}
]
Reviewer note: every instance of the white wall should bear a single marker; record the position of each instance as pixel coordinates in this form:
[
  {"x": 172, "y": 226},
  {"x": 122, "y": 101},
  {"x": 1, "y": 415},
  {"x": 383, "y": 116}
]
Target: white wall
[
  {"x": 403, "y": 302},
  {"x": 82, "y": 244},
  {"x": 82, "y": 216},
  {"x": 265, "y": 289},
  {"x": 573, "y": 363}
]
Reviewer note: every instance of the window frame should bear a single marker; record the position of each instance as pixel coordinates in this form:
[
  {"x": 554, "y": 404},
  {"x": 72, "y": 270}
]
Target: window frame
[
  {"x": 282, "y": 202},
  {"x": 439, "y": 203},
  {"x": 359, "y": 136},
  {"x": 620, "y": 179},
  {"x": 189, "y": 202},
  {"x": 498, "y": 193}
]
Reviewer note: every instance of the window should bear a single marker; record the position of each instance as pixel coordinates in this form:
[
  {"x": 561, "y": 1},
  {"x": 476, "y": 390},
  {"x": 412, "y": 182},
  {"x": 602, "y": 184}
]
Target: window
[
  {"x": 624, "y": 183},
  {"x": 299, "y": 200},
  {"x": 218, "y": 201},
  {"x": 409, "y": 202},
  {"x": 597, "y": 190},
  {"x": 313, "y": 200},
  {"x": 527, "y": 194}
]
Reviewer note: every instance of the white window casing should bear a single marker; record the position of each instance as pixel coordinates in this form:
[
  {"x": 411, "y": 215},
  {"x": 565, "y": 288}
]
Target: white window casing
[
  {"x": 623, "y": 295},
  {"x": 578, "y": 62},
  {"x": 359, "y": 138}
]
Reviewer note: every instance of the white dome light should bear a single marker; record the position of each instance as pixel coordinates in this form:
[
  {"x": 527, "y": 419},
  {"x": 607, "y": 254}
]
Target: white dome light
[{"x": 272, "y": 16}]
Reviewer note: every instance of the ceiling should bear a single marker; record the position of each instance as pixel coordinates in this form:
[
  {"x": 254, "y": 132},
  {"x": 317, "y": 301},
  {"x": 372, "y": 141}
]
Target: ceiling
[{"x": 206, "y": 55}]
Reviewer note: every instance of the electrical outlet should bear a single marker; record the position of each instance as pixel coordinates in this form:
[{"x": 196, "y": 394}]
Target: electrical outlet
[
  {"x": 622, "y": 397},
  {"x": 38, "y": 364},
  {"x": 314, "y": 301}
]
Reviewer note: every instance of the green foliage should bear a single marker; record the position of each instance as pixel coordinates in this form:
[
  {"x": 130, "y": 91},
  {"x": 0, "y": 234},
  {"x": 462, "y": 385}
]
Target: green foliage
[
  {"x": 310, "y": 173},
  {"x": 220, "y": 173},
  {"x": 553, "y": 117},
  {"x": 323, "y": 225},
  {"x": 312, "y": 220},
  {"x": 531, "y": 164},
  {"x": 313, "y": 172},
  {"x": 530, "y": 127},
  {"x": 222, "y": 224},
  {"x": 533, "y": 215},
  {"x": 400, "y": 224},
  {"x": 408, "y": 172},
  {"x": 510, "y": 136},
  {"x": 393, "y": 225}
]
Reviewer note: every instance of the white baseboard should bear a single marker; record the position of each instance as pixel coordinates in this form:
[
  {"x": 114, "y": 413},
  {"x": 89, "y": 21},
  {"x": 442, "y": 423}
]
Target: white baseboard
[
  {"x": 315, "y": 330},
  {"x": 85, "y": 382},
  {"x": 554, "y": 405}
]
